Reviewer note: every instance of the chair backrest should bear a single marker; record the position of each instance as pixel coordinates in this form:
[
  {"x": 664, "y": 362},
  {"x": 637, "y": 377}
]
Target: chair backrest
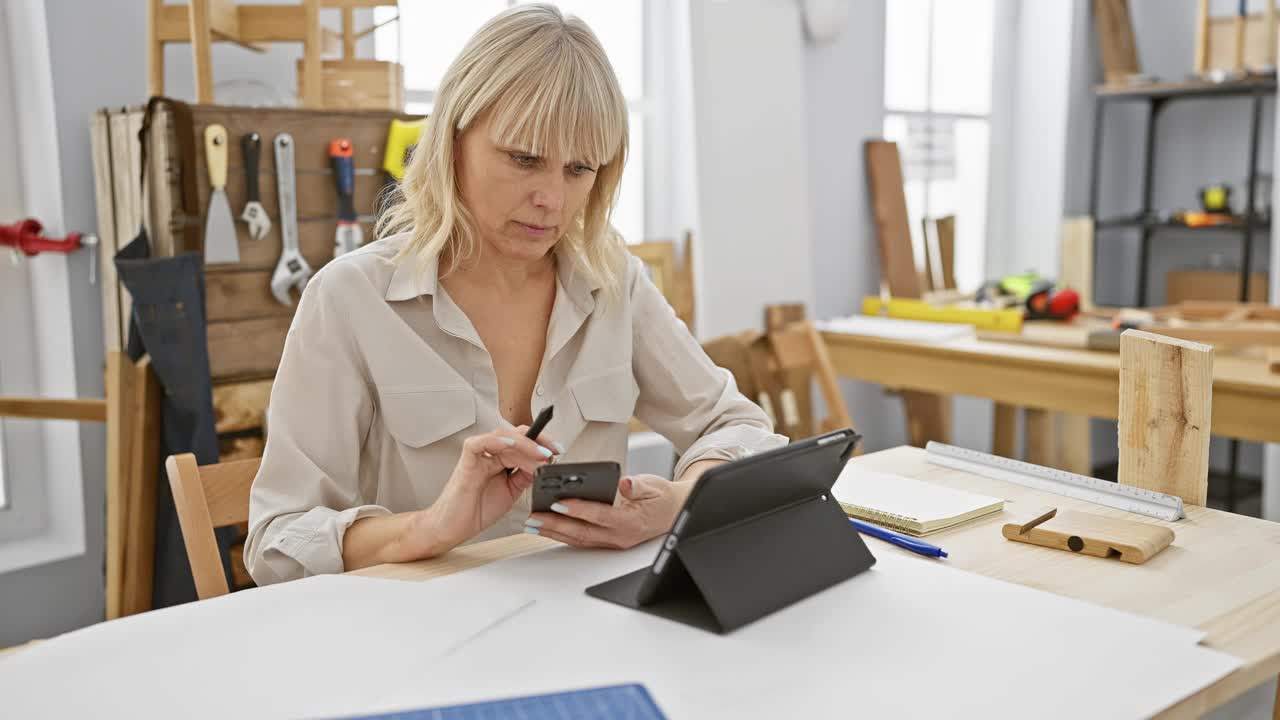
[
  {"x": 799, "y": 346},
  {"x": 209, "y": 497}
]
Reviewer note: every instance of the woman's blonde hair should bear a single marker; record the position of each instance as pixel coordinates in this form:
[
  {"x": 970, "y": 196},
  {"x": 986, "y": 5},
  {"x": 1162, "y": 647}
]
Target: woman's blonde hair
[{"x": 551, "y": 90}]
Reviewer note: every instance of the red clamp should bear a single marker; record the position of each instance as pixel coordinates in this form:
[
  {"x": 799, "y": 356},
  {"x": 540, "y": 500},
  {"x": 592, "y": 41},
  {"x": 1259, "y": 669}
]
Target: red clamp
[{"x": 24, "y": 236}]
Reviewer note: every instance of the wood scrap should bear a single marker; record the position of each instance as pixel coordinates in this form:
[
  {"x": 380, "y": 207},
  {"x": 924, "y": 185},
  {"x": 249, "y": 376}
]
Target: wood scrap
[{"x": 1166, "y": 402}]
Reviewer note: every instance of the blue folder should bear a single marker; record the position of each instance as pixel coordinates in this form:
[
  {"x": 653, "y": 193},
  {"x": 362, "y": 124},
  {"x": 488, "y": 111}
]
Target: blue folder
[{"x": 616, "y": 702}]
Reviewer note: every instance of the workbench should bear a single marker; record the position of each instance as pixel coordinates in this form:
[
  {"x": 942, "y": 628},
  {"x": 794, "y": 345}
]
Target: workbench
[{"x": 1246, "y": 396}]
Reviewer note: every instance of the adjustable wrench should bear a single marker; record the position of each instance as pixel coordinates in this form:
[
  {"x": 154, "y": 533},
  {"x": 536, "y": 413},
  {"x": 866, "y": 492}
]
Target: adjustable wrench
[
  {"x": 254, "y": 215},
  {"x": 292, "y": 269}
]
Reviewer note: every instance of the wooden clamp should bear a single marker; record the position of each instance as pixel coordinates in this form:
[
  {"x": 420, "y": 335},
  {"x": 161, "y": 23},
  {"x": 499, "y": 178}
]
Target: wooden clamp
[{"x": 1089, "y": 534}]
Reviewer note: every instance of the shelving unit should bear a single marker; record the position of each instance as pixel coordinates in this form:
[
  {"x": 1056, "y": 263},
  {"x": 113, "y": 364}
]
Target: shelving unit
[{"x": 1157, "y": 96}]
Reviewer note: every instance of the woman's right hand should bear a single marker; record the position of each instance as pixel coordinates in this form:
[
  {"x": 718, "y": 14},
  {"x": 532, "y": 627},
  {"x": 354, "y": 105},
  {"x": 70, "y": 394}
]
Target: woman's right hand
[{"x": 479, "y": 491}]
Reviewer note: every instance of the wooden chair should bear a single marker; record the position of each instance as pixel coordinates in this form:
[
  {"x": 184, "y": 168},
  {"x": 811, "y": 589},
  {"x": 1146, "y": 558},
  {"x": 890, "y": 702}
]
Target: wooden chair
[{"x": 209, "y": 497}]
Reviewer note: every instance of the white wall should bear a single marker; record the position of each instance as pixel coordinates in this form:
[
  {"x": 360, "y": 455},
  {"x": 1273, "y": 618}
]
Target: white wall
[{"x": 748, "y": 67}]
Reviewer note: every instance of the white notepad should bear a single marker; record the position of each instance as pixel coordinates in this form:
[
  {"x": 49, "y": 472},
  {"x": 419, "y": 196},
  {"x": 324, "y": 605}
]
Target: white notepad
[{"x": 912, "y": 506}]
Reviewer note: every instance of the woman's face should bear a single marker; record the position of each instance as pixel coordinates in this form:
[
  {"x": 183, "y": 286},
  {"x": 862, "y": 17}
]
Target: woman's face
[{"x": 522, "y": 203}]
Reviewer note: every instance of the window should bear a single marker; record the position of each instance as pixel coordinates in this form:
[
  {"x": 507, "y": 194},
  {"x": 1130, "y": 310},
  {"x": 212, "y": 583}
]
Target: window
[
  {"x": 937, "y": 96},
  {"x": 430, "y": 35}
]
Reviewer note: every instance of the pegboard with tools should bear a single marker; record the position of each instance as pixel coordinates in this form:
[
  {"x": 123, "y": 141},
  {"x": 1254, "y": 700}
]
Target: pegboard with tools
[{"x": 243, "y": 251}]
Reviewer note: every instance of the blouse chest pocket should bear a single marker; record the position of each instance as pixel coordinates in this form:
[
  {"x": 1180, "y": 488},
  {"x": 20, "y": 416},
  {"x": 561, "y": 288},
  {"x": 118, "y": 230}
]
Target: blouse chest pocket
[
  {"x": 609, "y": 396},
  {"x": 419, "y": 416}
]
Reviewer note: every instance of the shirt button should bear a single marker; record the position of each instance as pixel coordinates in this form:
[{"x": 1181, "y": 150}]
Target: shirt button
[{"x": 538, "y": 390}]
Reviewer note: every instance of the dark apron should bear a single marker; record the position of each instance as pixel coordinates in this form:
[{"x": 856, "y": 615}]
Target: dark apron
[{"x": 168, "y": 323}]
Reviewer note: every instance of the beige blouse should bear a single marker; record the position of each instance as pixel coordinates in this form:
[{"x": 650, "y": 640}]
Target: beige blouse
[{"x": 383, "y": 377}]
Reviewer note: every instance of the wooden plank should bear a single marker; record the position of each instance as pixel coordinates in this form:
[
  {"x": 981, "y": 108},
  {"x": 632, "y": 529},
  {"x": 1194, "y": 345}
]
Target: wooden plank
[
  {"x": 240, "y": 406},
  {"x": 1115, "y": 40},
  {"x": 243, "y": 295},
  {"x": 1202, "y": 37},
  {"x": 939, "y": 257},
  {"x": 83, "y": 410},
  {"x": 1077, "y": 258},
  {"x": 104, "y": 199},
  {"x": 119, "y": 387},
  {"x": 1242, "y": 335},
  {"x": 143, "y": 464},
  {"x": 1166, "y": 400},
  {"x": 884, "y": 181},
  {"x": 257, "y": 23},
  {"x": 127, "y": 203},
  {"x": 246, "y": 349},
  {"x": 1223, "y": 42},
  {"x": 1273, "y": 359}
]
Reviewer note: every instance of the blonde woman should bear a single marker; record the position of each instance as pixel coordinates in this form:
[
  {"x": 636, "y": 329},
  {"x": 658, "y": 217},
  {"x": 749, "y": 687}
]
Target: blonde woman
[{"x": 415, "y": 364}]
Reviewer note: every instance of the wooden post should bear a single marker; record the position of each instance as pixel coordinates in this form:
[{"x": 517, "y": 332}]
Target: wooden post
[
  {"x": 348, "y": 33},
  {"x": 201, "y": 49},
  {"x": 1076, "y": 265},
  {"x": 1004, "y": 431},
  {"x": 119, "y": 386},
  {"x": 143, "y": 468},
  {"x": 155, "y": 50},
  {"x": 1166, "y": 402}
]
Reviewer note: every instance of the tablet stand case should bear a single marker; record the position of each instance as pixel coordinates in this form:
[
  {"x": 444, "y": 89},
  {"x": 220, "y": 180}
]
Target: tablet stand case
[{"x": 731, "y": 576}]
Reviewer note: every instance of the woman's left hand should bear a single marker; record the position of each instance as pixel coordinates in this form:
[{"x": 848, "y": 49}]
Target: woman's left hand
[{"x": 645, "y": 508}]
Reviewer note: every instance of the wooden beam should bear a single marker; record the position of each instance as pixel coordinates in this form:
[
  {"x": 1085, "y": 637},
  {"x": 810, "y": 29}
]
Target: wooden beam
[
  {"x": 201, "y": 38},
  {"x": 1225, "y": 335},
  {"x": 83, "y": 410},
  {"x": 257, "y": 24},
  {"x": 224, "y": 20},
  {"x": 348, "y": 33},
  {"x": 1115, "y": 40},
  {"x": 312, "y": 89},
  {"x": 1166, "y": 401}
]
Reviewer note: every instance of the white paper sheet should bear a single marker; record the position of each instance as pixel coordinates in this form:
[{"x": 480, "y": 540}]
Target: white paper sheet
[
  {"x": 321, "y": 646},
  {"x": 896, "y": 328},
  {"x": 909, "y": 638}
]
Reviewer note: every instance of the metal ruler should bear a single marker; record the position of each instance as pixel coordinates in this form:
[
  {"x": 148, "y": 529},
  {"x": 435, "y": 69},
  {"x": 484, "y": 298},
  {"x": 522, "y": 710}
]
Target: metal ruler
[{"x": 1059, "y": 482}]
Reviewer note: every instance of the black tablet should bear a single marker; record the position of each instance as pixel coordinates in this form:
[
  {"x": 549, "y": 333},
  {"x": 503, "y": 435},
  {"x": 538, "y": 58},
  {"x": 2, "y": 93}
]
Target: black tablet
[{"x": 764, "y": 526}]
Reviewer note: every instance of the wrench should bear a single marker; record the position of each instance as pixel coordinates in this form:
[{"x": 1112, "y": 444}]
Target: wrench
[
  {"x": 254, "y": 215},
  {"x": 292, "y": 269}
]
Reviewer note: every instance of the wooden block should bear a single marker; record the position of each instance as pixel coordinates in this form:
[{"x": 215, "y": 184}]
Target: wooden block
[
  {"x": 240, "y": 406},
  {"x": 1088, "y": 534},
  {"x": 1166, "y": 398},
  {"x": 1077, "y": 258},
  {"x": 1220, "y": 285},
  {"x": 1115, "y": 40}
]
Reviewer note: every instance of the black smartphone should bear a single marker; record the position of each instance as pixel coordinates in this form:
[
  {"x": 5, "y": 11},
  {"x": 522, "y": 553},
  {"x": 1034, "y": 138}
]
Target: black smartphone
[{"x": 596, "y": 481}]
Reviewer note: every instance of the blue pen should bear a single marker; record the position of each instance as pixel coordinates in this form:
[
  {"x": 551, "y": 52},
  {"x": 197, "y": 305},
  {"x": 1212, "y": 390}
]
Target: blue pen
[{"x": 902, "y": 541}]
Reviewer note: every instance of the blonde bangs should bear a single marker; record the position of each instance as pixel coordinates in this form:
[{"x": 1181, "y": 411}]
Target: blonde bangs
[
  {"x": 564, "y": 113},
  {"x": 549, "y": 90}
]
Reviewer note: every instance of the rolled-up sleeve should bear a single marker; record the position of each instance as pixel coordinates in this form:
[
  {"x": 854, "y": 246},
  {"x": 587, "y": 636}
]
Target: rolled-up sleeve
[
  {"x": 683, "y": 395},
  {"x": 308, "y": 491}
]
